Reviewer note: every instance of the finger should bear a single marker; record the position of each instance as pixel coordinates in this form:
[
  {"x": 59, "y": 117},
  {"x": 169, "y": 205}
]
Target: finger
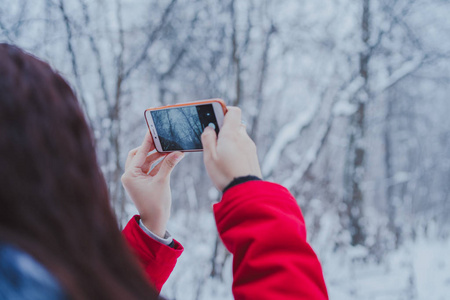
[
  {"x": 156, "y": 167},
  {"x": 150, "y": 160},
  {"x": 169, "y": 162},
  {"x": 130, "y": 156},
  {"x": 233, "y": 118},
  {"x": 144, "y": 149},
  {"x": 209, "y": 142}
]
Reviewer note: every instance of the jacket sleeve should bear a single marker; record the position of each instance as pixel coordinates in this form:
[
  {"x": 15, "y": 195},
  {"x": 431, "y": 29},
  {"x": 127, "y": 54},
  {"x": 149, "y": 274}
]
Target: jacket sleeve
[
  {"x": 157, "y": 259},
  {"x": 260, "y": 223}
]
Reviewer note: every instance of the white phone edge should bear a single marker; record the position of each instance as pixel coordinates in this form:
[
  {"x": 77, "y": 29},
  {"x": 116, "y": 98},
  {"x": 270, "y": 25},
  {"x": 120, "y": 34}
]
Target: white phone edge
[{"x": 218, "y": 111}]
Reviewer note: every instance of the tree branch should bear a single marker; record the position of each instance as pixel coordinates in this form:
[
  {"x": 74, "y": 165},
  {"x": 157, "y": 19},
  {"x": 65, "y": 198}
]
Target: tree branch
[
  {"x": 151, "y": 39},
  {"x": 74, "y": 61},
  {"x": 95, "y": 50},
  {"x": 405, "y": 70}
]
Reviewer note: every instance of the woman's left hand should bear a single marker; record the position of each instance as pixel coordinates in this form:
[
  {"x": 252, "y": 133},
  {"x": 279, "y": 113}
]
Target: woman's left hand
[{"x": 150, "y": 189}]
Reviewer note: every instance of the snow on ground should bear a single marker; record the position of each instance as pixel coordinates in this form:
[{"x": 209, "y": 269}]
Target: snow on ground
[{"x": 419, "y": 270}]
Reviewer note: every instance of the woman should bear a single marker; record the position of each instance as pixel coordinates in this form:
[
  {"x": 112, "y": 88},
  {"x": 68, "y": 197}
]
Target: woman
[{"x": 58, "y": 234}]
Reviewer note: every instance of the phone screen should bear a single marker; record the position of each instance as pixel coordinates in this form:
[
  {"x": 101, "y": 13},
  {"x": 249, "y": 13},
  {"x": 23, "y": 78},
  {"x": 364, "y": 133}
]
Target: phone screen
[{"x": 180, "y": 128}]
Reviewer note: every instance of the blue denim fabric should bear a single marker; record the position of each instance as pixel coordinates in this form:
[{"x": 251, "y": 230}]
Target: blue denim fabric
[{"x": 22, "y": 277}]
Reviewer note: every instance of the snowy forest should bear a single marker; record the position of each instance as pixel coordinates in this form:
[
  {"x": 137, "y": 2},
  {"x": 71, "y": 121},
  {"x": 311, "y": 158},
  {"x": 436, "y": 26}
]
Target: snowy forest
[{"x": 347, "y": 101}]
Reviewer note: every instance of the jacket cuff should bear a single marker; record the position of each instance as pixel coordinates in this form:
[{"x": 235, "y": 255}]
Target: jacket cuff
[
  {"x": 167, "y": 240},
  {"x": 239, "y": 180}
]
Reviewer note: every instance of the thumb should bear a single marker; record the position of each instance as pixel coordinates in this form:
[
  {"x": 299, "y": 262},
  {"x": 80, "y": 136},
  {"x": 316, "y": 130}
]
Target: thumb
[
  {"x": 169, "y": 162},
  {"x": 209, "y": 142}
]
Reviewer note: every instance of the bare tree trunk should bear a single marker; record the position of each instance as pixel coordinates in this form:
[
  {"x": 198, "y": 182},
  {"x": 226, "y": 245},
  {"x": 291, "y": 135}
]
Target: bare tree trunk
[
  {"x": 262, "y": 80},
  {"x": 355, "y": 166},
  {"x": 214, "y": 267},
  {"x": 116, "y": 190},
  {"x": 96, "y": 51},
  {"x": 74, "y": 62},
  {"x": 389, "y": 169},
  {"x": 235, "y": 55},
  {"x": 217, "y": 266}
]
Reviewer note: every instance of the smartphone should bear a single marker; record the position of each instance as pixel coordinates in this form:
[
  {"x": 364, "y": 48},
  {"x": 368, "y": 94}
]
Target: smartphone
[{"x": 179, "y": 127}]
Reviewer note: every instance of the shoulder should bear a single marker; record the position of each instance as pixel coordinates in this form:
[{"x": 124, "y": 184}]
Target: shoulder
[{"x": 22, "y": 277}]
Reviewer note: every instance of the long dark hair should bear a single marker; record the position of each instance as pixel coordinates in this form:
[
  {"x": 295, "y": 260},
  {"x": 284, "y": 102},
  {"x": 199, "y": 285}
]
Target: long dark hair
[{"x": 53, "y": 197}]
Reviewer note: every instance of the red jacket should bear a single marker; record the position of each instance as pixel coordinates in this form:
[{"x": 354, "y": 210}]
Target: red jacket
[{"x": 261, "y": 224}]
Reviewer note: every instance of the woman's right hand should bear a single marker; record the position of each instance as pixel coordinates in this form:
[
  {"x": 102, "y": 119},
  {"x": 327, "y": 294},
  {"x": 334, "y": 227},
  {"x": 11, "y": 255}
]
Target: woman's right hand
[{"x": 232, "y": 154}]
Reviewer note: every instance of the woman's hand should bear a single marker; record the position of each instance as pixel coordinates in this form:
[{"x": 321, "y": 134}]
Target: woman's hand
[
  {"x": 150, "y": 190},
  {"x": 232, "y": 154}
]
